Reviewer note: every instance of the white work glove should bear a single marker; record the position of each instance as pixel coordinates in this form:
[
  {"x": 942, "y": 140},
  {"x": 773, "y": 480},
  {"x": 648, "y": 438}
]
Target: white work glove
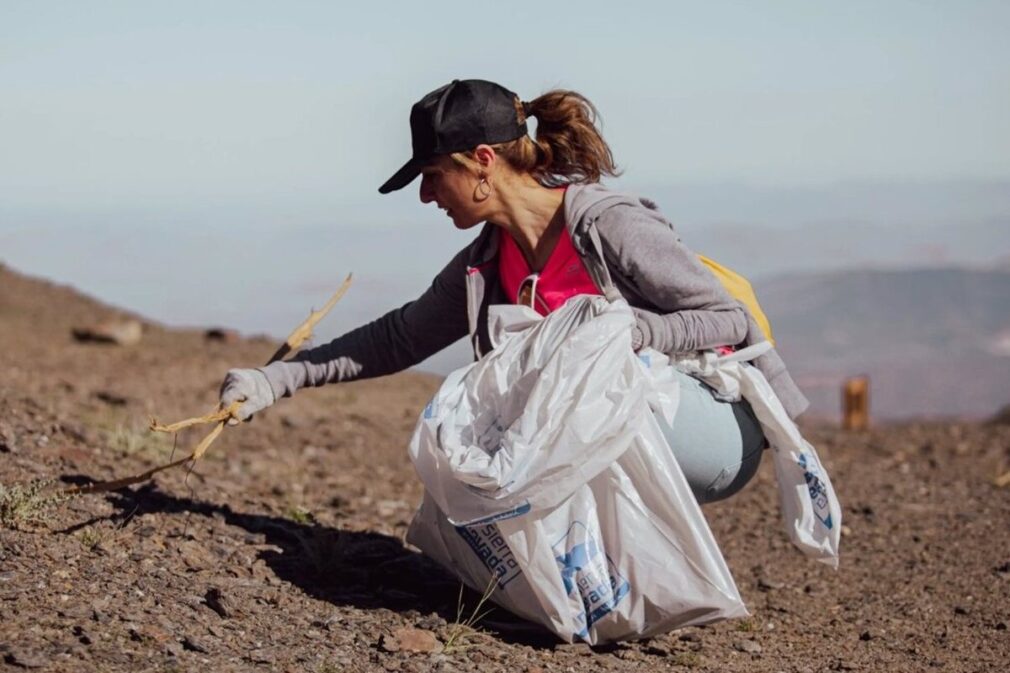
[{"x": 249, "y": 386}]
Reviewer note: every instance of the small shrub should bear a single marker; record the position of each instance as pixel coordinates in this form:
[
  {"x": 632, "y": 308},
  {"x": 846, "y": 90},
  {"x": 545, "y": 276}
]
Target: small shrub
[
  {"x": 90, "y": 537},
  {"x": 21, "y": 505},
  {"x": 300, "y": 515},
  {"x": 746, "y": 625}
]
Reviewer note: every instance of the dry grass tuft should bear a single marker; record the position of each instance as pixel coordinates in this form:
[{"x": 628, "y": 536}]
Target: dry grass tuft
[
  {"x": 461, "y": 634},
  {"x": 133, "y": 440},
  {"x": 686, "y": 659}
]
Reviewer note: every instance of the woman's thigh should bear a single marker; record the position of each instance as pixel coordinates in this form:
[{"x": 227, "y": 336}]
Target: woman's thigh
[{"x": 717, "y": 444}]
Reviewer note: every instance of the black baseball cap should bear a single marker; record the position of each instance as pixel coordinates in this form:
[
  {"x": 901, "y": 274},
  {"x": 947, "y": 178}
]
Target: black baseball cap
[{"x": 458, "y": 117}]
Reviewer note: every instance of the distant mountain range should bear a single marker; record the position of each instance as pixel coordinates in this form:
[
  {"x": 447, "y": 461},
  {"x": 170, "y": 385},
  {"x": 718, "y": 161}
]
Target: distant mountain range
[{"x": 933, "y": 341}]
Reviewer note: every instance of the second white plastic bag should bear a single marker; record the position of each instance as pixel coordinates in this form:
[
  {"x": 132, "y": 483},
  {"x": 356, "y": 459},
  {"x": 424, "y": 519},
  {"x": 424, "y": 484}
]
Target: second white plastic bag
[{"x": 810, "y": 509}]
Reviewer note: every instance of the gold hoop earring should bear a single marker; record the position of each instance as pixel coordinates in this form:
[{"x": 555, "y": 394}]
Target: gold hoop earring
[{"x": 483, "y": 189}]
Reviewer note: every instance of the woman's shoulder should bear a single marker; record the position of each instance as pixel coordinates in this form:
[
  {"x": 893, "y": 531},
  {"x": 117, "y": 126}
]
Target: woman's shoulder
[
  {"x": 623, "y": 221},
  {"x": 600, "y": 204}
]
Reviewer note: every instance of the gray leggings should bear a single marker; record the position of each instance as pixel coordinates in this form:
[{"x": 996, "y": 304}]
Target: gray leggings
[{"x": 717, "y": 444}]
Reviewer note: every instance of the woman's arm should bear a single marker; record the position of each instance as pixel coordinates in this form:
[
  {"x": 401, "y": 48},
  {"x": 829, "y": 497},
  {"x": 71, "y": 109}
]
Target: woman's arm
[
  {"x": 680, "y": 305},
  {"x": 399, "y": 339}
]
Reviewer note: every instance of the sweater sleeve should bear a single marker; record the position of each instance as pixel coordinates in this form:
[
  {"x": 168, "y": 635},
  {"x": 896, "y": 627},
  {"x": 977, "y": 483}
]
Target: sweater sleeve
[
  {"x": 680, "y": 306},
  {"x": 398, "y": 340}
]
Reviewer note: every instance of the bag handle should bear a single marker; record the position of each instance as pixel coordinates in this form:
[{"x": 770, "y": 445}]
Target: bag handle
[
  {"x": 752, "y": 352},
  {"x": 610, "y": 290}
]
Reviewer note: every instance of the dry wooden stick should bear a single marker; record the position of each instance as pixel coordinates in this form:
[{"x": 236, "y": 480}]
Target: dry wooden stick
[
  {"x": 116, "y": 484},
  {"x": 221, "y": 416},
  {"x": 304, "y": 331},
  {"x": 300, "y": 335}
]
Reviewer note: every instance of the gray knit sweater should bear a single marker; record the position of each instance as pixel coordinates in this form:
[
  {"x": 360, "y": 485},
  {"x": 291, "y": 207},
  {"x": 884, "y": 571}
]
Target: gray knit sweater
[{"x": 628, "y": 248}]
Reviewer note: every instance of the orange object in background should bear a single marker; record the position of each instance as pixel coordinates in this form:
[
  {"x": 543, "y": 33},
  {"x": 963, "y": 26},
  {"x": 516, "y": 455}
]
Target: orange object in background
[{"x": 856, "y": 403}]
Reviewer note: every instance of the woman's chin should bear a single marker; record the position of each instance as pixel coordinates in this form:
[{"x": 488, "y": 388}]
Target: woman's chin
[{"x": 463, "y": 224}]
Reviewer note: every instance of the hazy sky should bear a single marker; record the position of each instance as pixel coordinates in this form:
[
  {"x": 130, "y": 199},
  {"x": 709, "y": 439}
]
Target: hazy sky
[
  {"x": 130, "y": 104},
  {"x": 217, "y": 162}
]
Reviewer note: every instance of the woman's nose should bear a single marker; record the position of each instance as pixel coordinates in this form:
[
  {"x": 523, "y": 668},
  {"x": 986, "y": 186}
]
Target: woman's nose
[{"x": 426, "y": 192}]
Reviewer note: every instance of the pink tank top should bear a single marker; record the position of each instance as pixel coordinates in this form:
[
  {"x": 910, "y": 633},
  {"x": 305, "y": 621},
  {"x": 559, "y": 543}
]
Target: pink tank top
[{"x": 563, "y": 277}]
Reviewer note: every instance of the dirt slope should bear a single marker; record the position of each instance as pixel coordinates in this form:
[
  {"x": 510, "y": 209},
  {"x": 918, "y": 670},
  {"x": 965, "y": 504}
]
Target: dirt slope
[{"x": 282, "y": 551}]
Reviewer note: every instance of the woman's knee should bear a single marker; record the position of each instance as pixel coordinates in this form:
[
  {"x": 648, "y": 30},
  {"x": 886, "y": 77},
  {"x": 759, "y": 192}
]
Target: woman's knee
[
  {"x": 731, "y": 479},
  {"x": 718, "y": 444}
]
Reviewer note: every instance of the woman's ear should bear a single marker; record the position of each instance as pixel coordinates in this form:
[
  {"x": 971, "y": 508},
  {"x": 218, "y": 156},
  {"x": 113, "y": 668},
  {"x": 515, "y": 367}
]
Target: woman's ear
[{"x": 485, "y": 157}]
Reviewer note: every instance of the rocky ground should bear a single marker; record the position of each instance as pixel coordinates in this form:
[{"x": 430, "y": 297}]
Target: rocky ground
[{"x": 283, "y": 550}]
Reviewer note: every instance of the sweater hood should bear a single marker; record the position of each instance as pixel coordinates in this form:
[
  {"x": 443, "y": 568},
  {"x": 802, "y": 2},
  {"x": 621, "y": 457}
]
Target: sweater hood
[{"x": 584, "y": 203}]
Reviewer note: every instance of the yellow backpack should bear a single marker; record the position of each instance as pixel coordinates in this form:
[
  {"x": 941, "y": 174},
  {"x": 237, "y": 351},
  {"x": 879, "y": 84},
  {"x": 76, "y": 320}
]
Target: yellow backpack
[{"x": 740, "y": 289}]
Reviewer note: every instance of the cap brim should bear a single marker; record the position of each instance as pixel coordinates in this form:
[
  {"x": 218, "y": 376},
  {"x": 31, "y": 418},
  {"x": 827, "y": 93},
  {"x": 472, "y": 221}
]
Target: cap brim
[{"x": 402, "y": 177}]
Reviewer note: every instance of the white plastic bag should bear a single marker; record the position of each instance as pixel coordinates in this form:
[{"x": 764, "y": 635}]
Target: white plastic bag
[
  {"x": 546, "y": 473},
  {"x": 810, "y": 508}
]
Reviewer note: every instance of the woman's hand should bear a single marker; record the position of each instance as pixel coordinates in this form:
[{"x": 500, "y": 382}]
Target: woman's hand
[
  {"x": 637, "y": 336},
  {"x": 248, "y": 386}
]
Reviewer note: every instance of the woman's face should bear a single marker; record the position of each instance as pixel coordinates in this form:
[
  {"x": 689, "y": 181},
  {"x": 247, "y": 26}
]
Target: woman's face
[{"x": 453, "y": 188}]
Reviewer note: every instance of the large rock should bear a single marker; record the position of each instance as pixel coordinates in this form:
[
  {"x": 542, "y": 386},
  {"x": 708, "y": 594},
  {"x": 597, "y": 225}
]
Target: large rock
[
  {"x": 411, "y": 640},
  {"x": 124, "y": 332}
]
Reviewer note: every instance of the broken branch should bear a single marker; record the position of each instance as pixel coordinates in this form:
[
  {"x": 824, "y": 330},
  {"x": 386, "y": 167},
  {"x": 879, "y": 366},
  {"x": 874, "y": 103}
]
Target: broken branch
[
  {"x": 303, "y": 332},
  {"x": 294, "y": 341}
]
